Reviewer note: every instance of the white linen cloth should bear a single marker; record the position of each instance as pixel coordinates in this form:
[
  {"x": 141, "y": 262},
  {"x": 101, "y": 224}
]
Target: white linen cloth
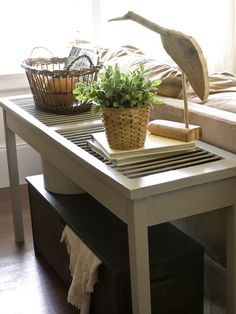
[{"x": 83, "y": 267}]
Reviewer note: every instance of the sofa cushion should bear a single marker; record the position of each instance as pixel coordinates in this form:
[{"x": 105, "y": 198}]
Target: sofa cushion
[
  {"x": 218, "y": 126},
  {"x": 222, "y": 92}
]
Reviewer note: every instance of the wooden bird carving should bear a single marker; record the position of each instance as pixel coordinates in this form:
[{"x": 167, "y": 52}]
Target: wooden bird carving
[{"x": 183, "y": 49}]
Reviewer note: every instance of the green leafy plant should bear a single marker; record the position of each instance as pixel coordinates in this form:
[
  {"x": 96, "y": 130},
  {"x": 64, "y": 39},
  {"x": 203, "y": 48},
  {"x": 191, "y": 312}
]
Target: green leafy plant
[{"x": 115, "y": 89}]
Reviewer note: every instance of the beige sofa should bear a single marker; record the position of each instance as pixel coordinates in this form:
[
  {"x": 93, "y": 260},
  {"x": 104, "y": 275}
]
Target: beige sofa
[{"x": 217, "y": 117}]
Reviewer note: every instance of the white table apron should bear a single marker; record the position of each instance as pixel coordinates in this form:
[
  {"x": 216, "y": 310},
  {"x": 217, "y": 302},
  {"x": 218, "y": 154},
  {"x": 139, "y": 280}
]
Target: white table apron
[{"x": 140, "y": 202}]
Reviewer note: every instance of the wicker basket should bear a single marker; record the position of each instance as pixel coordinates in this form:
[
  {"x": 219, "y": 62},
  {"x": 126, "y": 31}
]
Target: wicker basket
[
  {"x": 52, "y": 84},
  {"x": 126, "y": 128}
]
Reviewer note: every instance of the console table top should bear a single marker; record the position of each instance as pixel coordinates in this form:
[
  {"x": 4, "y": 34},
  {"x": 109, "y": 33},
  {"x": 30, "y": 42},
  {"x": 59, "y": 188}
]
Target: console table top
[{"x": 57, "y": 131}]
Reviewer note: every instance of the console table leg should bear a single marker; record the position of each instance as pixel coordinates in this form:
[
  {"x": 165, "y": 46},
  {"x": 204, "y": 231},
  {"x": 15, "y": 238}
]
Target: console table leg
[
  {"x": 14, "y": 182},
  {"x": 139, "y": 257},
  {"x": 231, "y": 259}
]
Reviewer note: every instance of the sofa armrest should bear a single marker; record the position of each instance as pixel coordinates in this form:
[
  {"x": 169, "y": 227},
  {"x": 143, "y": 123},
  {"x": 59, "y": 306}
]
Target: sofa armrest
[{"x": 218, "y": 126}]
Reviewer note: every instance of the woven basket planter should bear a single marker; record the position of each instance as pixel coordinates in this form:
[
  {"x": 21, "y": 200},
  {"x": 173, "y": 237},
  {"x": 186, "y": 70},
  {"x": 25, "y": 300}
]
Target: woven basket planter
[{"x": 126, "y": 128}]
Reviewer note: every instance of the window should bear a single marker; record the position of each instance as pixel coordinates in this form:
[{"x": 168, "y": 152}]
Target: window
[
  {"x": 210, "y": 22},
  {"x": 30, "y": 23}
]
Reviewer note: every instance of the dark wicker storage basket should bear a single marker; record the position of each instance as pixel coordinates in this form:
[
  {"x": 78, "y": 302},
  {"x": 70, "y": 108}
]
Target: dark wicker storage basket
[{"x": 52, "y": 83}]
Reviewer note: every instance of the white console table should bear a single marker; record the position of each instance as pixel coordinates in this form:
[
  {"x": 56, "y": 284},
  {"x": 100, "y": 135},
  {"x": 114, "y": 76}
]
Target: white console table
[{"x": 140, "y": 197}]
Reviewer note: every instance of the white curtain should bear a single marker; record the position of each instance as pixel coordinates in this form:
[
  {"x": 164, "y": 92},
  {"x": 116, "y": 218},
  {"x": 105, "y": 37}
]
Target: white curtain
[{"x": 210, "y": 22}]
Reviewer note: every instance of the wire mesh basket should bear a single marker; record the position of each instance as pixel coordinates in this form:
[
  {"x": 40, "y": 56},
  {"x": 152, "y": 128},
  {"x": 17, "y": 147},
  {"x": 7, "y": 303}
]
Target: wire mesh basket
[{"x": 52, "y": 82}]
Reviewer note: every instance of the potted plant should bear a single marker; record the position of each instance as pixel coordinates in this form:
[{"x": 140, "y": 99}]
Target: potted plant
[{"x": 125, "y": 100}]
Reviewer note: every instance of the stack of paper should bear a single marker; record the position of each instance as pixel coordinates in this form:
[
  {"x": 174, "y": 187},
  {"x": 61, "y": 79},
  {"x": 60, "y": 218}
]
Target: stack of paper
[{"x": 154, "y": 145}]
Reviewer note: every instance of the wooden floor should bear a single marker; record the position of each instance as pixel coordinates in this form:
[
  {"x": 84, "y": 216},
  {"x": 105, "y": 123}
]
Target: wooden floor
[{"x": 27, "y": 284}]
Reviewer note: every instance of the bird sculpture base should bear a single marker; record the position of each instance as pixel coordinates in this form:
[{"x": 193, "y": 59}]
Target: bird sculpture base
[{"x": 175, "y": 130}]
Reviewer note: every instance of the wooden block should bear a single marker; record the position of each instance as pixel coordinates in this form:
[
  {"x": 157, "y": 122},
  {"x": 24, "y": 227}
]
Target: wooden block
[{"x": 175, "y": 130}]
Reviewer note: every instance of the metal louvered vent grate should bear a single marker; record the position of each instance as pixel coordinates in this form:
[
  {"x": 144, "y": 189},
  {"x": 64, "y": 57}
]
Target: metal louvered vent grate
[
  {"x": 144, "y": 168},
  {"x": 51, "y": 119},
  {"x": 80, "y": 135}
]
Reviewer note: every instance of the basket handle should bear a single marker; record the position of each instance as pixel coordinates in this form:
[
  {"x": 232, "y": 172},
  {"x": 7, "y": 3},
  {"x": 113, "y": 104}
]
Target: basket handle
[
  {"x": 40, "y": 47},
  {"x": 80, "y": 57}
]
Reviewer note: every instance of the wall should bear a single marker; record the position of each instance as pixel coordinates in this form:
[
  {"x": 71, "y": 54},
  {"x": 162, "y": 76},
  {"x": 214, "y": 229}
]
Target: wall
[{"x": 29, "y": 161}]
